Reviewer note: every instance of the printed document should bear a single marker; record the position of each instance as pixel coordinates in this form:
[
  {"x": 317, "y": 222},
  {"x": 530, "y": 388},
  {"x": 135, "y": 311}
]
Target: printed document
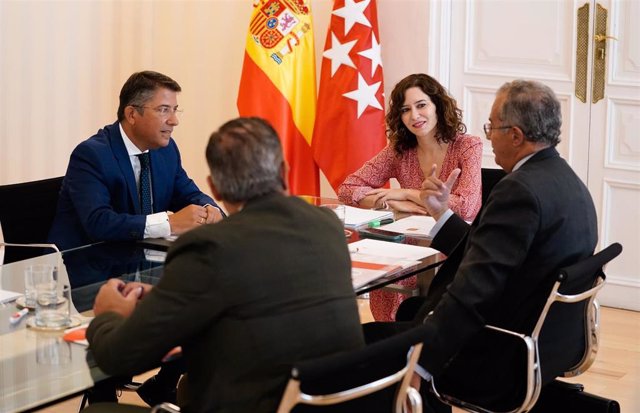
[
  {"x": 355, "y": 217},
  {"x": 414, "y": 225},
  {"x": 372, "y": 259}
]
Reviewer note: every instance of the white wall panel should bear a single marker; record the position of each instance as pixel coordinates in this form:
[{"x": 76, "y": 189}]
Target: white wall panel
[
  {"x": 624, "y": 51},
  {"x": 621, "y": 223},
  {"x": 566, "y": 146},
  {"x": 623, "y": 146},
  {"x": 477, "y": 107},
  {"x": 526, "y": 47}
]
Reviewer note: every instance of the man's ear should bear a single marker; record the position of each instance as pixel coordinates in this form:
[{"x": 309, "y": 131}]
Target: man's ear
[
  {"x": 517, "y": 138},
  {"x": 284, "y": 175},
  {"x": 129, "y": 115},
  {"x": 212, "y": 187}
]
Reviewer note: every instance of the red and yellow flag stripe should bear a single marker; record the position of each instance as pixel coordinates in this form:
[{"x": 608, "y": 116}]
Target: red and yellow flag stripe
[{"x": 278, "y": 82}]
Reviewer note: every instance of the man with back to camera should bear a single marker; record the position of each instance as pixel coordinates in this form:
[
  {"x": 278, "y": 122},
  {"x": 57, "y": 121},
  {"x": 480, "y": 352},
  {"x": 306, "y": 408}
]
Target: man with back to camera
[
  {"x": 269, "y": 285},
  {"x": 499, "y": 271},
  {"x": 103, "y": 196},
  {"x": 101, "y": 200}
]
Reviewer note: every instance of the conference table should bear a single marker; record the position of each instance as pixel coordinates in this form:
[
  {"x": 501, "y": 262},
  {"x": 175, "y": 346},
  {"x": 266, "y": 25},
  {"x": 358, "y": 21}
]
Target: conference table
[{"x": 39, "y": 368}]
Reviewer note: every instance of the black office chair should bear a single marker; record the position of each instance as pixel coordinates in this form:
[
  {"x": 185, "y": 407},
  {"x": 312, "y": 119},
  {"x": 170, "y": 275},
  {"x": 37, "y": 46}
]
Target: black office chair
[
  {"x": 577, "y": 311},
  {"x": 26, "y": 213},
  {"x": 128, "y": 408},
  {"x": 374, "y": 378},
  {"x": 490, "y": 177}
]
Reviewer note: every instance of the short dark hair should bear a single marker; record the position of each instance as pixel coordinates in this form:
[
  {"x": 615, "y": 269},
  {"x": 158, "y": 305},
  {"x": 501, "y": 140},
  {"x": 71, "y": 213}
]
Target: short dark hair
[
  {"x": 533, "y": 107},
  {"x": 245, "y": 159},
  {"x": 140, "y": 87},
  {"x": 449, "y": 115}
]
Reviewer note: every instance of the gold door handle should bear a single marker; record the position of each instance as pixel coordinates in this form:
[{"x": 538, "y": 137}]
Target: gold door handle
[{"x": 603, "y": 37}]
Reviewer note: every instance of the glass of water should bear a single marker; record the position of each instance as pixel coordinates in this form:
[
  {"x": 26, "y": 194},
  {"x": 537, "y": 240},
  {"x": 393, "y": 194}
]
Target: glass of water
[{"x": 52, "y": 308}]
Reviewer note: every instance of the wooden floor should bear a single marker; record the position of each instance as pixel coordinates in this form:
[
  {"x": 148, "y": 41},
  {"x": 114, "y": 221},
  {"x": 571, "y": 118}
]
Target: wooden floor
[{"x": 615, "y": 373}]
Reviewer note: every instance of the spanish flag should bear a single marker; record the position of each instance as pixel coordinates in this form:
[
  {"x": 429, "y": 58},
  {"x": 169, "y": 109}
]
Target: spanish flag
[{"x": 278, "y": 83}]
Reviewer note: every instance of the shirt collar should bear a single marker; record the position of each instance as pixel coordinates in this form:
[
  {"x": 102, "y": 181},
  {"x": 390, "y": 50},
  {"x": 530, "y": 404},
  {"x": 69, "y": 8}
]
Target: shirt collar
[
  {"x": 522, "y": 161},
  {"x": 132, "y": 149}
]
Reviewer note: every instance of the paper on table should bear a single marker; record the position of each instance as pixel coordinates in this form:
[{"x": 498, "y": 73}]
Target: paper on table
[
  {"x": 415, "y": 225},
  {"x": 77, "y": 335},
  {"x": 372, "y": 259},
  {"x": 364, "y": 269},
  {"x": 8, "y": 296},
  {"x": 154, "y": 255},
  {"x": 354, "y": 217},
  {"x": 390, "y": 249}
]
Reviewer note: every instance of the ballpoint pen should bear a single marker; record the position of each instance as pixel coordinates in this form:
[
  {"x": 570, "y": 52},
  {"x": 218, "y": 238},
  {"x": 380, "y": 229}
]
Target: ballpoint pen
[
  {"x": 18, "y": 315},
  {"x": 375, "y": 224}
]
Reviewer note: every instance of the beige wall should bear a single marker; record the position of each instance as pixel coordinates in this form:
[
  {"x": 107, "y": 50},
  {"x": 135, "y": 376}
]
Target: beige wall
[{"x": 63, "y": 62}]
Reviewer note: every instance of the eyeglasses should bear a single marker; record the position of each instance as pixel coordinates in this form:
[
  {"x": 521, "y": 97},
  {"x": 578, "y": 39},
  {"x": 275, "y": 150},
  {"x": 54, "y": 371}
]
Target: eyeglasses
[
  {"x": 488, "y": 128},
  {"x": 164, "y": 111}
]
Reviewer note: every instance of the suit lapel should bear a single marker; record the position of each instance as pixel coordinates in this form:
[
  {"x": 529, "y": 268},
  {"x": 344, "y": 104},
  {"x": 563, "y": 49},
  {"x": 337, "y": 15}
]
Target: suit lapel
[
  {"x": 121, "y": 155},
  {"x": 158, "y": 181}
]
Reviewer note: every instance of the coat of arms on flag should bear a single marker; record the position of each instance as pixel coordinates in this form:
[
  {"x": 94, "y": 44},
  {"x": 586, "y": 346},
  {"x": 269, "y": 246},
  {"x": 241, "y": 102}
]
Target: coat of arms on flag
[{"x": 277, "y": 25}]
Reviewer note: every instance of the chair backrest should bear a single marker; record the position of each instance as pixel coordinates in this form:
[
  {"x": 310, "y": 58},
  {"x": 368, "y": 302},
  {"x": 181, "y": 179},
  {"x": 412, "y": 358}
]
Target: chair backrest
[
  {"x": 577, "y": 285},
  {"x": 26, "y": 212},
  {"x": 570, "y": 306},
  {"x": 1, "y": 246},
  {"x": 374, "y": 378},
  {"x": 490, "y": 177}
]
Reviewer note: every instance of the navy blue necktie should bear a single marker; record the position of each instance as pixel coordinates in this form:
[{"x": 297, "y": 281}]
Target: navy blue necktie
[{"x": 145, "y": 184}]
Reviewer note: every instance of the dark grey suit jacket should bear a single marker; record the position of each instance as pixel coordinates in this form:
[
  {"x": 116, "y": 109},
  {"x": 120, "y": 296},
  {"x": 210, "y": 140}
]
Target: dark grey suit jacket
[
  {"x": 499, "y": 271},
  {"x": 245, "y": 298}
]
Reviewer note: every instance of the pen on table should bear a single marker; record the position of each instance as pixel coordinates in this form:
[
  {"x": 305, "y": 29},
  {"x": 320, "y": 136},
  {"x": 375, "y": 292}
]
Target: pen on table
[
  {"x": 18, "y": 315},
  {"x": 375, "y": 224}
]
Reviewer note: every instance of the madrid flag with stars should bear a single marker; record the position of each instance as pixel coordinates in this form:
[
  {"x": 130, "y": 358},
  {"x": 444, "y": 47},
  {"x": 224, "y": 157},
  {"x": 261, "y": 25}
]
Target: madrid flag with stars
[
  {"x": 278, "y": 83},
  {"x": 350, "y": 127}
]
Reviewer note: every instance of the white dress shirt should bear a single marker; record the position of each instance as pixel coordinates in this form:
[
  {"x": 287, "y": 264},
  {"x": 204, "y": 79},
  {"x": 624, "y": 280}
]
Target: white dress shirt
[{"x": 156, "y": 225}]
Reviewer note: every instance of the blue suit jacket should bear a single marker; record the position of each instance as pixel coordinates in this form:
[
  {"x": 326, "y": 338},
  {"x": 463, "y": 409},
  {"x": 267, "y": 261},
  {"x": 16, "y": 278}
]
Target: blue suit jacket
[{"x": 99, "y": 198}]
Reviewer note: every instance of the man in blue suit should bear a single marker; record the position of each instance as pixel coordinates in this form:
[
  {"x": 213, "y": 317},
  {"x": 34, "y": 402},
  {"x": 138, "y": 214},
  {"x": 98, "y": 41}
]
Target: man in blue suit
[
  {"x": 102, "y": 195},
  {"x": 99, "y": 199}
]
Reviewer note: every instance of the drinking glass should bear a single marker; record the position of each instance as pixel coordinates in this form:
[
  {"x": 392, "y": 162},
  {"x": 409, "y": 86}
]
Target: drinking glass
[
  {"x": 52, "y": 310},
  {"x": 34, "y": 275}
]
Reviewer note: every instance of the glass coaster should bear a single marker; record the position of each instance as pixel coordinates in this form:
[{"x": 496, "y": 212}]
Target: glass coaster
[
  {"x": 20, "y": 302},
  {"x": 73, "y": 322}
]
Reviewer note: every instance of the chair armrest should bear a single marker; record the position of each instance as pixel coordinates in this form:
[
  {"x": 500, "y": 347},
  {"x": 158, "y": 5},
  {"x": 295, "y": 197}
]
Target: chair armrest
[{"x": 165, "y": 407}]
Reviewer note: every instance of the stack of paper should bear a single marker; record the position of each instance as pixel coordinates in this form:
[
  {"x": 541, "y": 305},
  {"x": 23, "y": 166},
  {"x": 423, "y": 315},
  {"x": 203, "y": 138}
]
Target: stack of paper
[
  {"x": 355, "y": 217},
  {"x": 372, "y": 259},
  {"x": 414, "y": 225},
  {"x": 8, "y": 296}
]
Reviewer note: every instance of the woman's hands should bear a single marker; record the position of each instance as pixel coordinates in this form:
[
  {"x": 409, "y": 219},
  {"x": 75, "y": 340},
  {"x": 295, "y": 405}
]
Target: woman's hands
[{"x": 402, "y": 200}]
